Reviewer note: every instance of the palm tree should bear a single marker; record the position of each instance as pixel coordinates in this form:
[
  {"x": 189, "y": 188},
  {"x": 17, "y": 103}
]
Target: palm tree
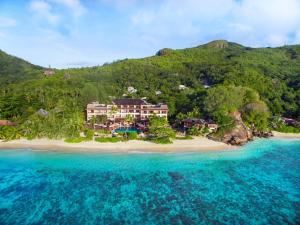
[
  {"x": 129, "y": 119},
  {"x": 93, "y": 121},
  {"x": 113, "y": 111}
]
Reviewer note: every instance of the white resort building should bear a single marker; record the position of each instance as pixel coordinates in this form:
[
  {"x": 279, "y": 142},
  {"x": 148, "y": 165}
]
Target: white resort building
[{"x": 139, "y": 109}]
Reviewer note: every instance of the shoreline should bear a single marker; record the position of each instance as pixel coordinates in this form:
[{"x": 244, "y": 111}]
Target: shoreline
[
  {"x": 196, "y": 144},
  {"x": 285, "y": 135}
]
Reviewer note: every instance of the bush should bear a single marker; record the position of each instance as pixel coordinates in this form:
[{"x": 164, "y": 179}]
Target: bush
[
  {"x": 132, "y": 136},
  {"x": 108, "y": 139},
  {"x": 74, "y": 140},
  {"x": 89, "y": 135},
  {"x": 163, "y": 140},
  {"x": 9, "y": 133},
  {"x": 187, "y": 137},
  {"x": 288, "y": 129}
]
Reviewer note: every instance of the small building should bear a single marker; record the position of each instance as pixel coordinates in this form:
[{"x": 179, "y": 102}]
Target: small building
[
  {"x": 211, "y": 125},
  {"x": 191, "y": 122},
  {"x": 6, "y": 123},
  {"x": 42, "y": 113},
  {"x": 289, "y": 121},
  {"x": 131, "y": 90},
  {"x": 199, "y": 123},
  {"x": 49, "y": 73},
  {"x": 182, "y": 87}
]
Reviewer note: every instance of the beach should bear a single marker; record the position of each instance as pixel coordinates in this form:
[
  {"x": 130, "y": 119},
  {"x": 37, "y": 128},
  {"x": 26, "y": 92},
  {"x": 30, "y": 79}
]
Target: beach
[
  {"x": 285, "y": 135},
  {"x": 196, "y": 144}
]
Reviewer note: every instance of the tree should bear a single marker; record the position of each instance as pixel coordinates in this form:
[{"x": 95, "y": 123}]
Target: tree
[
  {"x": 93, "y": 121},
  {"x": 89, "y": 93},
  {"x": 101, "y": 119},
  {"x": 113, "y": 111},
  {"x": 194, "y": 114},
  {"x": 160, "y": 128},
  {"x": 129, "y": 119},
  {"x": 257, "y": 114}
]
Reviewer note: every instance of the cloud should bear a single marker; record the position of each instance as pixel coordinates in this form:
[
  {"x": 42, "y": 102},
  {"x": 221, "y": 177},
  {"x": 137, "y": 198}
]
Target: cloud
[
  {"x": 43, "y": 9},
  {"x": 75, "y": 5},
  {"x": 7, "y": 22},
  {"x": 252, "y": 22}
]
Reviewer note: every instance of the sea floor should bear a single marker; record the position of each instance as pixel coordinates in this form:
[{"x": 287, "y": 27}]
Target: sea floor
[{"x": 257, "y": 184}]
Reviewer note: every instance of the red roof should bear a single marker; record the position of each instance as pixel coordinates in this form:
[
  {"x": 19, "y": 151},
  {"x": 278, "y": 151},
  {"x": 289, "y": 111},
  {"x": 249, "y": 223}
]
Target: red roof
[
  {"x": 129, "y": 101},
  {"x": 6, "y": 123}
]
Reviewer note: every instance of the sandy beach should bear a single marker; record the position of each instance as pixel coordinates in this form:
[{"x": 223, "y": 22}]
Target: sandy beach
[
  {"x": 197, "y": 144},
  {"x": 285, "y": 135}
]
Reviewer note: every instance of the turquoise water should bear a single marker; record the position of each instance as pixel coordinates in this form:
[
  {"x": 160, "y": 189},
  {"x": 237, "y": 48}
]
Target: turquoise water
[
  {"x": 127, "y": 129},
  {"x": 259, "y": 184}
]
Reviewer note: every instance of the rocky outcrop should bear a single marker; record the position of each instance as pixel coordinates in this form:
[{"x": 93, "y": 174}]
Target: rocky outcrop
[
  {"x": 164, "y": 52},
  {"x": 239, "y": 135}
]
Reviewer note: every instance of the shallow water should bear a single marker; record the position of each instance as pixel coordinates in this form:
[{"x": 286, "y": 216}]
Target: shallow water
[{"x": 259, "y": 184}]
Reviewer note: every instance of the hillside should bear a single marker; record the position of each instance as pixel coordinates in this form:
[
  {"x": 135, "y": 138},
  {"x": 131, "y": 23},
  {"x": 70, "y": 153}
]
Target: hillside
[
  {"x": 181, "y": 78},
  {"x": 273, "y": 72},
  {"x": 13, "y": 69}
]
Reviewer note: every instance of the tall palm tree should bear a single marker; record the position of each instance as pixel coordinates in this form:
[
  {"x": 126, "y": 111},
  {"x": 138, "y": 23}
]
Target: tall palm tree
[{"x": 93, "y": 121}]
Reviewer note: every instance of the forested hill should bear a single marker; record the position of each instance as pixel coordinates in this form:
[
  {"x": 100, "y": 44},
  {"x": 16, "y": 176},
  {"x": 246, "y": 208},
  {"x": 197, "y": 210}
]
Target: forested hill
[
  {"x": 181, "y": 78},
  {"x": 273, "y": 72},
  {"x": 13, "y": 69}
]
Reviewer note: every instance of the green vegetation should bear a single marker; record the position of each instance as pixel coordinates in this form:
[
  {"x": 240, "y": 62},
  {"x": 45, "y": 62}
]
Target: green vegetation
[
  {"x": 89, "y": 134},
  {"x": 288, "y": 129},
  {"x": 108, "y": 139},
  {"x": 132, "y": 136},
  {"x": 222, "y": 101},
  {"x": 9, "y": 133},
  {"x": 248, "y": 79},
  {"x": 75, "y": 140},
  {"x": 160, "y": 130},
  {"x": 187, "y": 137}
]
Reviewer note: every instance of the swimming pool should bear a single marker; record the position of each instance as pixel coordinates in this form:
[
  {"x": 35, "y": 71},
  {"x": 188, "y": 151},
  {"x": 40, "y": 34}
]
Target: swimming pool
[{"x": 127, "y": 129}]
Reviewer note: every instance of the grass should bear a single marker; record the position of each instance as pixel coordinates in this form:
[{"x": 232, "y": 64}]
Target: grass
[
  {"x": 188, "y": 137},
  {"x": 288, "y": 129},
  {"x": 108, "y": 139},
  {"x": 161, "y": 140}
]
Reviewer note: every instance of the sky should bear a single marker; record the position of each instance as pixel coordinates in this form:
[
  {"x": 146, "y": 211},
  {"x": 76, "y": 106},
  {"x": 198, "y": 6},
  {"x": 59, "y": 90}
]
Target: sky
[{"x": 77, "y": 33}]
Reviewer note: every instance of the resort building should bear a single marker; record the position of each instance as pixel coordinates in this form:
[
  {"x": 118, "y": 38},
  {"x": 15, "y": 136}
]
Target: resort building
[
  {"x": 139, "y": 109},
  {"x": 199, "y": 123}
]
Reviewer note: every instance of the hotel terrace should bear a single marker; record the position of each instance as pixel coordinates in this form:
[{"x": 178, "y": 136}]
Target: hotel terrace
[{"x": 120, "y": 108}]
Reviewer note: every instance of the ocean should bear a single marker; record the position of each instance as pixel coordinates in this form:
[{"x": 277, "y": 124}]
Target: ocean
[{"x": 257, "y": 184}]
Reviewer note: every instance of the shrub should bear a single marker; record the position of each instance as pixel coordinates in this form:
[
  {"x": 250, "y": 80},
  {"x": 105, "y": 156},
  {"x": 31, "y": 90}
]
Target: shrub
[
  {"x": 132, "y": 136},
  {"x": 89, "y": 135},
  {"x": 163, "y": 140},
  {"x": 108, "y": 139},
  {"x": 288, "y": 129},
  {"x": 187, "y": 137},
  {"x": 9, "y": 133}
]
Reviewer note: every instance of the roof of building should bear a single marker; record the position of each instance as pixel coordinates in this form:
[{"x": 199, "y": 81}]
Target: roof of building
[
  {"x": 6, "y": 123},
  {"x": 129, "y": 101},
  {"x": 42, "y": 112}
]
